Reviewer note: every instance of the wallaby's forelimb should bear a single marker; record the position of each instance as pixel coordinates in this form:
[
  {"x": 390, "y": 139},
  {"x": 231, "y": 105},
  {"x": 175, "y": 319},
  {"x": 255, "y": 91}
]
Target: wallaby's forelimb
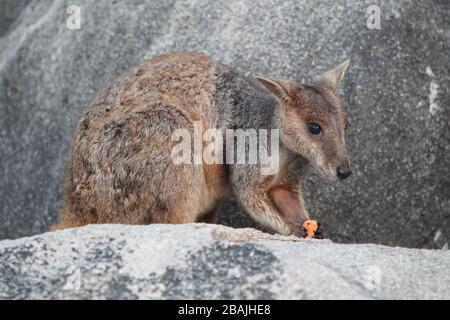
[{"x": 288, "y": 204}]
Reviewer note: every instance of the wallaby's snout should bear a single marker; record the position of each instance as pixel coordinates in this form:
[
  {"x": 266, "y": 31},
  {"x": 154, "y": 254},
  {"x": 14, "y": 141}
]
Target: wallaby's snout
[{"x": 344, "y": 170}]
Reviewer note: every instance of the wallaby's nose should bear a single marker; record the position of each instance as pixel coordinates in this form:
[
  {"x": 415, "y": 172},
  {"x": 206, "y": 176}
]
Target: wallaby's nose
[{"x": 343, "y": 172}]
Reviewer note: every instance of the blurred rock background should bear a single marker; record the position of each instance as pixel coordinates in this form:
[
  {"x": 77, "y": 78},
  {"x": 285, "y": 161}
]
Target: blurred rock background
[{"x": 396, "y": 91}]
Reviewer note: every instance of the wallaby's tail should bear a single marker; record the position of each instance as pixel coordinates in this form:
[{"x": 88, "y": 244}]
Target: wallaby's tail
[
  {"x": 63, "y": 224},
  {"x": 56, "y": 227}
]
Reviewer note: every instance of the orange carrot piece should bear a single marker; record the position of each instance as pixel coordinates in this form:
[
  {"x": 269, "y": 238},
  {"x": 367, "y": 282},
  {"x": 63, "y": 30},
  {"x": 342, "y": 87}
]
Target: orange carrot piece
[{"x": 311, "y": 227}]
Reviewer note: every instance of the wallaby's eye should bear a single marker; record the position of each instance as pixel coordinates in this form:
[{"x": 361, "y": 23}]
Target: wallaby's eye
[{"x": 314, "y": 128}]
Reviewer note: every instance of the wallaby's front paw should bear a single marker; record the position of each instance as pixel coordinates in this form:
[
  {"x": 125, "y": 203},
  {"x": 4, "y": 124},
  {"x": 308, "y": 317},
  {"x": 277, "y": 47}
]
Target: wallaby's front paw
[
  {"x": 297, "y": 228},
  {"x": 300, "y": 232},
  {"x": 307, "y": 229}
]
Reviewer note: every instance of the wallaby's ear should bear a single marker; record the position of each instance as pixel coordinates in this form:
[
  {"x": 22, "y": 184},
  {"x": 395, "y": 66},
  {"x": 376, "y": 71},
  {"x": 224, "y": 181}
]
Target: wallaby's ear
[
  {"x": 332, "y": 78},
  {"x": 282, "y": 89}
]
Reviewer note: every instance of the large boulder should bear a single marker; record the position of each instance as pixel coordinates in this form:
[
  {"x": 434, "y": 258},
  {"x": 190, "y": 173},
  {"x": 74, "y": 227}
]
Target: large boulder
[
  {"x": 396, "y": 92},
  {"x": 212, "y": 262}
]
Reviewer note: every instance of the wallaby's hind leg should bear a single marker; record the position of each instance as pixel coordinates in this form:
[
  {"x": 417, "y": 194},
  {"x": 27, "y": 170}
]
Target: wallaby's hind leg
[
  {"x": 178, "y": 198},
  {"x": 129, "y": 177}
]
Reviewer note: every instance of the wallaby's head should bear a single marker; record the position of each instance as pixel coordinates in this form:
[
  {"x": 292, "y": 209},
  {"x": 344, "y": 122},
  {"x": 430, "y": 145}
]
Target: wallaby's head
[{"x": 312, "y": 121}]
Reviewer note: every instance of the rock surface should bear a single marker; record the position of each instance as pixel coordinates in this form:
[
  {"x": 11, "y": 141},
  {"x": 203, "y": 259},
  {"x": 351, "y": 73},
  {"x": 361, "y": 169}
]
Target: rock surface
[
  {"x": 212, "y": 262},
  {"x": 396, "y": 92}
]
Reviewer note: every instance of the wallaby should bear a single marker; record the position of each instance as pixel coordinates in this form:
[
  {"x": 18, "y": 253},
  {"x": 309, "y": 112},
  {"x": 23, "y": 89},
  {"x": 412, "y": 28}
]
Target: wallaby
[{"x": 120, "y": 167}]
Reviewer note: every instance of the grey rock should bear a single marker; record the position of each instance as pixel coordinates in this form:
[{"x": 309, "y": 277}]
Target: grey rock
[
  {"x": 396, "y": 92},
  {"x": 9, "y": 12},
  {"x": 201, "y": 261}
]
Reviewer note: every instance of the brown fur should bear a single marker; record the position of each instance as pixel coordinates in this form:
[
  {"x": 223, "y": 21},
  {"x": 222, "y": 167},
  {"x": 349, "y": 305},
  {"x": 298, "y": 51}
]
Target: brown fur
[{"x": 120, "y": 170}]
